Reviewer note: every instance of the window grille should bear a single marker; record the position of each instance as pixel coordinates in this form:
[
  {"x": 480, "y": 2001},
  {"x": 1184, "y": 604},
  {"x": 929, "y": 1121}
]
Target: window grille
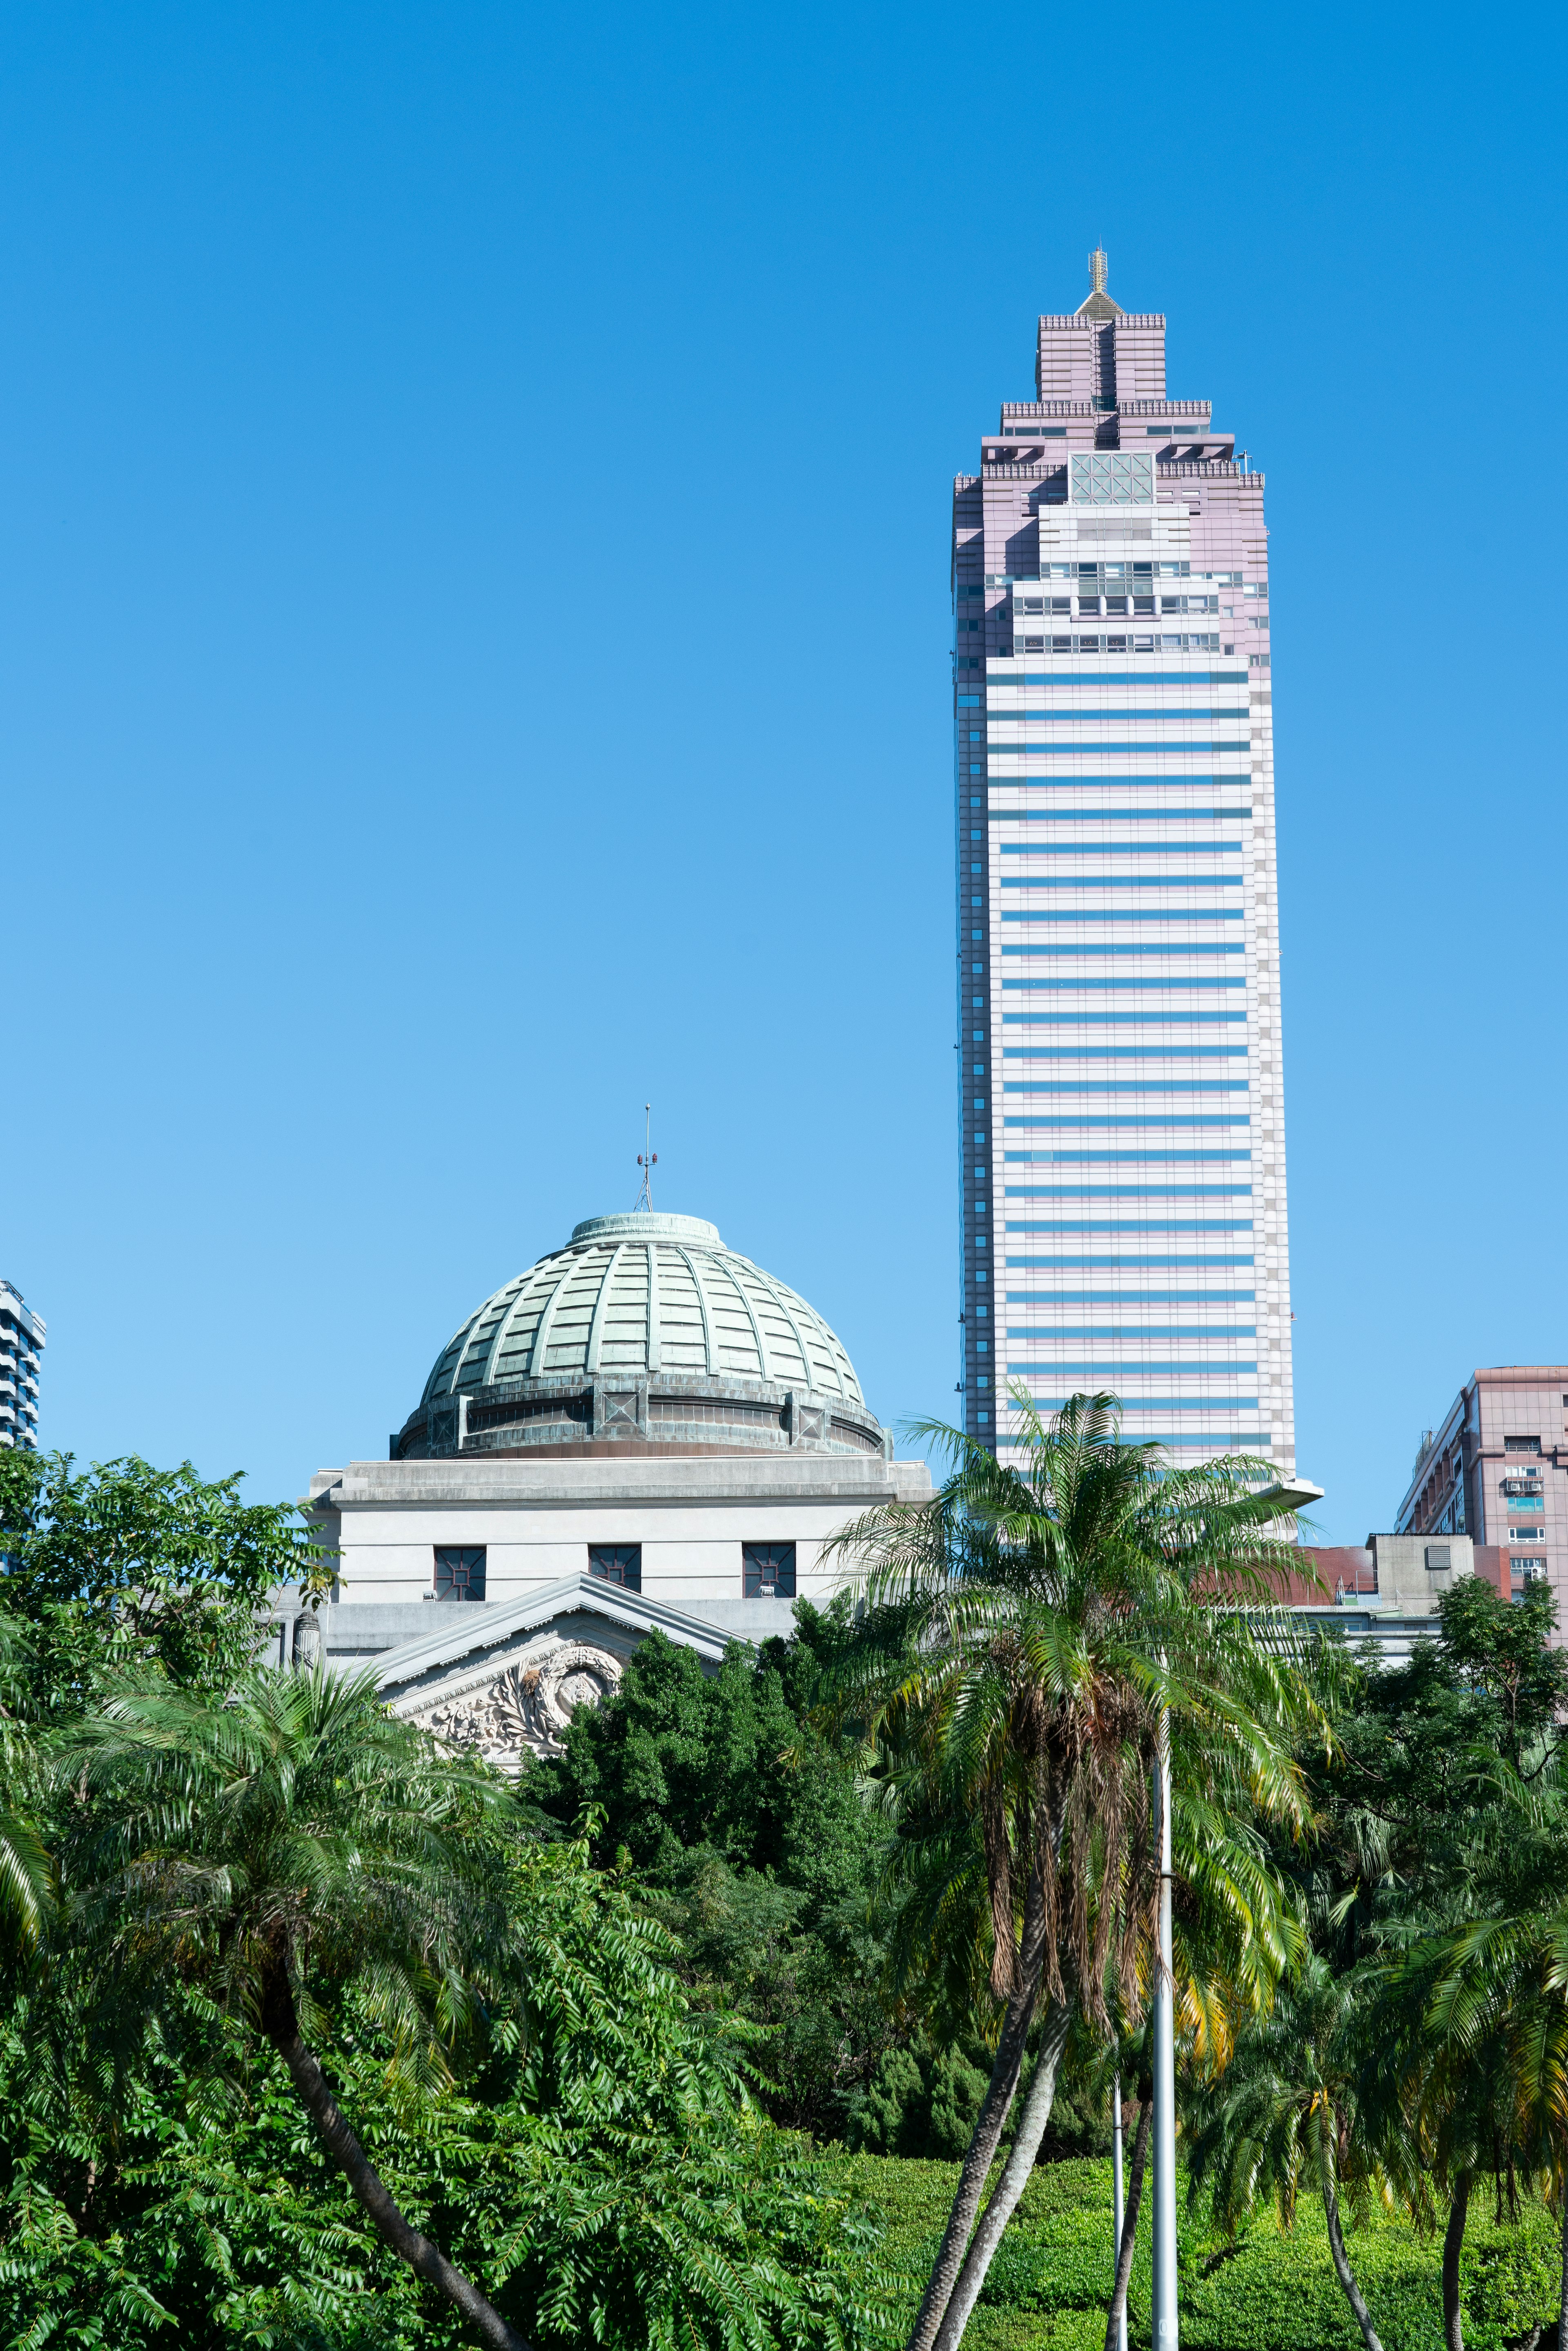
[
  {"x": 460, "y": 1571},
  {"x": 768, "y": 1570},
  {"x": 619, "y": 1563}
]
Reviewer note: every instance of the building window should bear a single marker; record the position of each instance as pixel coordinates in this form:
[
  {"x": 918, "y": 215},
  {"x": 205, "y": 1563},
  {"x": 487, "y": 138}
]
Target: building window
[
  {"x": 768, "y": 1570},
  {"x": 1521, "y": 1444},
  {"x": 619, "y": 1563},
  {"x": 460, "y": 1571}
]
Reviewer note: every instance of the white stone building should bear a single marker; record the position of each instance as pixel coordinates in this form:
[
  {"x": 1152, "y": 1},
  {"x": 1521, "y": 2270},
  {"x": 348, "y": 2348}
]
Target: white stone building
[{"x": 644, "y": 1429}]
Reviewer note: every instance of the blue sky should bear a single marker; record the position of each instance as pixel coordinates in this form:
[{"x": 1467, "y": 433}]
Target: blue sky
[{"x": 474, "y": 625}]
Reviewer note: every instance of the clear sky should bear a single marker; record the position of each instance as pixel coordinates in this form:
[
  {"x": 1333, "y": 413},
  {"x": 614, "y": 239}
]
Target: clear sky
[{"x": 474, "y": 657}]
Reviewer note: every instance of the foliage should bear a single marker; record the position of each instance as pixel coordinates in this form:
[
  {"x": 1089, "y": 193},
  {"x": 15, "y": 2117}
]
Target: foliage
[
  {"x": 1268, "y": 2289},
  {"x": 596, "y": 2158},
  {"x": 1037, "y": 1639},
  {"x": 756, "y": 1848},
  {"x": 123, "y": 1567}
]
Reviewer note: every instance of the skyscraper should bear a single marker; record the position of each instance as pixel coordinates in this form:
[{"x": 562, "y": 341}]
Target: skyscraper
[{"x": 1121, "y": 1102}]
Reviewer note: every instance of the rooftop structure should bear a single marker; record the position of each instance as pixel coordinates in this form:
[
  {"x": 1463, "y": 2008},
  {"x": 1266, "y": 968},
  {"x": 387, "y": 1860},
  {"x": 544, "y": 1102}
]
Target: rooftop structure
[
  {"x": 1120, "y": 1082},
  {"x": 644, "y": 1331},
  {"x": 21, "y": 1345}
]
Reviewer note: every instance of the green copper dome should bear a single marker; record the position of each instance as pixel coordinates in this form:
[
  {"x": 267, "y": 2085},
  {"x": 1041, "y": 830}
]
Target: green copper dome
[{"x": 697, "y": 1343}]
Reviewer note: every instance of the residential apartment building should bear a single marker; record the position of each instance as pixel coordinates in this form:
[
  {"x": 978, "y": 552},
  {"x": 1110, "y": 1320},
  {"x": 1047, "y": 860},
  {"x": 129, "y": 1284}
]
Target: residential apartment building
[
  {"x": 1497, "y": 1469},
  {"x": 21, "y": 1345},
  {"x": 1121, "y": 1105}
]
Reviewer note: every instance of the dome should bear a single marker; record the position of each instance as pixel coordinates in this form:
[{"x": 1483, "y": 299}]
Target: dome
[{"x": 645, "y": 1330}]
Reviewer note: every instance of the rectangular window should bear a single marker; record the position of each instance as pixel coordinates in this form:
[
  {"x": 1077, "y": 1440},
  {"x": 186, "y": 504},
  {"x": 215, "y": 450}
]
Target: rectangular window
[
  {"x": 768, "y": 1570},
  {"x": 460, "y": 1571},
  {"x": 1521, "y": 1444},
  {"x": 619, "y": 1563}
]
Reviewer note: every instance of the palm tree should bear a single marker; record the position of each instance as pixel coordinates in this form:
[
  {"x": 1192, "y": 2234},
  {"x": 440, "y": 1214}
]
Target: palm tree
[
  {"x": 1502, "y": 1990},
  {"x": 28, "y": 1886},
  {"x": 271, "y": 1849},
  {"x": 1025, "y": 1634},
  {"x": 1283, "y": 2110}
]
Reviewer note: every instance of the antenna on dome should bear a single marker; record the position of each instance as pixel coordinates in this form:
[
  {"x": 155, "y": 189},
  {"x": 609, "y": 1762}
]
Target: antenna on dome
[{"x": 647, "y": 1160}]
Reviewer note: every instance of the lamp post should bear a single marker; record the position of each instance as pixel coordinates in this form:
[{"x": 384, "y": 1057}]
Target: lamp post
[
  {"x": 1165, "y": 2332},
  {"x": 1117, "y": 2199}
]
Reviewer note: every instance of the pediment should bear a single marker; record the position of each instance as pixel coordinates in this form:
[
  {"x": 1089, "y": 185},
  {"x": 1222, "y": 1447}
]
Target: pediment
[{"x": 502, "y": 1681}]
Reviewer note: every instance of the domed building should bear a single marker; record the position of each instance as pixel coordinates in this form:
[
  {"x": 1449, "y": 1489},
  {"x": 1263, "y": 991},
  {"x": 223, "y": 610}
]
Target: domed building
[
  {"x": 643, "y": 1429},
  {"x": 644, "y": 1331}
]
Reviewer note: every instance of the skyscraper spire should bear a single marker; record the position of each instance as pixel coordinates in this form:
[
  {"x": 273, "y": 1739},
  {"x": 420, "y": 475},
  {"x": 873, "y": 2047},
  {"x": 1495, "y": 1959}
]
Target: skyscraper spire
[{"x": 1098, "y": 304}]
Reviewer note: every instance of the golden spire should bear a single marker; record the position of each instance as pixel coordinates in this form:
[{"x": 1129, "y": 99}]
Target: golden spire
[{"x": 1099, "y": 261}]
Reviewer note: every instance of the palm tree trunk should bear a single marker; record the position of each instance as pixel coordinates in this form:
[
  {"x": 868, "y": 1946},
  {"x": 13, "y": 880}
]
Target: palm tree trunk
[
  {"x": 426, "y": 2260},
  {"x": 1014, "y": 2179},
  {"x": 1342, "y": 2270},
  {"x": 1130, "y": 2220},
  {"x": 998, "y": 2098},
  {"x": 1453, "y": 2238}
]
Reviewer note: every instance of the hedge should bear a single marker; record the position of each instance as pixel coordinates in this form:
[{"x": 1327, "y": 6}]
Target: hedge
[{"x": 1266, "y": 2292}]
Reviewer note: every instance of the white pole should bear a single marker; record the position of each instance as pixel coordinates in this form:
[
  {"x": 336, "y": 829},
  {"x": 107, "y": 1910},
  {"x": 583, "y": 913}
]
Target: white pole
[
  {"x": 1166, "y": 2333},
  {"x": 1117, "y": 2199}
]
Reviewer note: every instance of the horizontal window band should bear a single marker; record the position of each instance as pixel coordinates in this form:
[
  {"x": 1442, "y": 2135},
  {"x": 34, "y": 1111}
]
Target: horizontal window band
[
  {"x": 1093, "y": 984},
  {"x": 1242, "y": 812},
  {"x": 1118, "y": 847},
  {"x": 1134, "y": 1298},
  {"x": 1040, "y": 1049},
  {"x": 1124, "y": 914},
  {"x": 1139, "y": 1225},
  {"x": 1122, "y": 1333},
  {"x": 1057, "y": 679},
  {"x": 1236, "y": 881},
  {"x": 1126, "y": 1086},
  {"x": 1104, "y": 717},
  {"x": 1145, "y": 1370},
  {"x": 1099, "y": 1156},
  {"x": 1168, "y": 950},
  {"x": 1119, "y": 1020},
  {"x": 1232, "y": 1440},
  {"x": 1127, "y": 1191},
  {"x": 1146, "y": 1404},
  {"x": 1113, "y": 751},
  {"x": 1151, "y": 1120},
  {"x": 1130, "y": 1264}
]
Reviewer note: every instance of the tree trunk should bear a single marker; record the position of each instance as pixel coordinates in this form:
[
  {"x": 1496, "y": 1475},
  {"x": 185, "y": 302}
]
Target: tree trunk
[
  {"x": 993, "y": 2114},
  {"x": 1453, "y": 2238},
  {"x": 1030, "y": 2130},
  {"x": 426, "y": 2260},
  {"x": 1130, "y": 2220},
  {"x": 1342, "y": 2270},
  {"x": 1563, "y": 2311}
]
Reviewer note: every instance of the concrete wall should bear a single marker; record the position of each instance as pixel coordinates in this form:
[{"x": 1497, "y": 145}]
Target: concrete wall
[{"x": 537, "y": 1519}]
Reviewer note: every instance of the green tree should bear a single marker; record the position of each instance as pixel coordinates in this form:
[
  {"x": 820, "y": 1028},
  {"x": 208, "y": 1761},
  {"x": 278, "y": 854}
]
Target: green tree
[
  {"x": 756, "y": 1845},
  {"x": 1502, "y": 1990},
  {"x": 1026, "y": 1633},
  {"x": 1439, "y": 1808},
  {"x": 123, "y": 1567},
  {"x": 1282, "y": 2112},
  {"x": 268, "y": 1850}
]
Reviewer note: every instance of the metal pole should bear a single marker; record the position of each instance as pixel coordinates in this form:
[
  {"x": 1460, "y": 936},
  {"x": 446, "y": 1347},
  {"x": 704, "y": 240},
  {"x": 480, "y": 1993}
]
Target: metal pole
[
  {"x": 1166, "y": 2333},
  {"x": 1117, "y": 2199}
]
